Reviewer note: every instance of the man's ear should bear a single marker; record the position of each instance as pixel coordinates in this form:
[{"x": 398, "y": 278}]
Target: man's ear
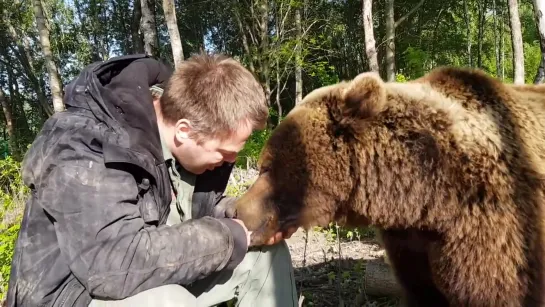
[
  {"x": 364, "y": 97},
  {"x": 183, "y": 130}
]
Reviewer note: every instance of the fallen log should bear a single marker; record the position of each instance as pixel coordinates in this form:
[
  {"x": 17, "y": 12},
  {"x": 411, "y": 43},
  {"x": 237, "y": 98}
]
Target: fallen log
[{"x": 380, "y": 280}]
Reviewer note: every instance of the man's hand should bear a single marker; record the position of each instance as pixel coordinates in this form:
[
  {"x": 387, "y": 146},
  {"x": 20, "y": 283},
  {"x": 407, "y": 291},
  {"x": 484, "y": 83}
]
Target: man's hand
[{"x": 279, "y": 236}]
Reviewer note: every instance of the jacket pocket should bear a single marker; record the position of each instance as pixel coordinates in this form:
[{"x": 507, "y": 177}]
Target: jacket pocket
[
  {"x": 73, "y": 295},
  {"x": 147, "y": 203}
]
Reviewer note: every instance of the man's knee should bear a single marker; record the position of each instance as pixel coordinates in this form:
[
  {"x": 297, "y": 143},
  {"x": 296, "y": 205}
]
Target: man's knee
[
  {"x": 279, "y": 250},
  {"x": 277, "y": 256},
  {"x": 164, "y": 296},
  {"x": 173, "y": 295}
]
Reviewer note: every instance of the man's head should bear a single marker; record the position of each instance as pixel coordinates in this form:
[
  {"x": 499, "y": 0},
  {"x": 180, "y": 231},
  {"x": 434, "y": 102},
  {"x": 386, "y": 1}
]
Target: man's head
[{"x": 209, "y": 108}]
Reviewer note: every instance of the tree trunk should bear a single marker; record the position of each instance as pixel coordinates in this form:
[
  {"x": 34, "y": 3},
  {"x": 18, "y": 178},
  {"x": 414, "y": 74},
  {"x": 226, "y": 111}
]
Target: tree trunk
[
  {"x": 482, "y": 19},
  {"x": 278, "y": 102},
  {"x": 516, "y": 37},
  {"x": 390, "y": 43},
  {"x": 54, "y": 78},
  {"x": 391, "y": 25},
  {"x": 6, "y": 108},
  {"x": 264, "y": 34},
  {"x": 149, "y": 27},
  {"x": 22, "y": 130},
  {"x": 172, "y": 25},
  {"x": 539, "y": 11},
  {"x": 502, "y": 43},
  {"x": 243, "y": 34},
  {"x": 368, "y": 31},
  {"x": 298, "y": 59},
  {"x": 468, "y": 33},
  {"x": 137, "y": 40},
  {"x": 380, "y": 280},
  {"x": 496, "y": 37}
]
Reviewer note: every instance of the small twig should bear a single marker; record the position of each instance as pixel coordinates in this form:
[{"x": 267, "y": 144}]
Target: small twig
[
  {"x": 339, "y": 275},
  {"x": 301, "y": 299}
]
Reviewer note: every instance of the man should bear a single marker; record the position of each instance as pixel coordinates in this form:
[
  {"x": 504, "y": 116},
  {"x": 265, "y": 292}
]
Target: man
[{"x": 105, "y": 226}]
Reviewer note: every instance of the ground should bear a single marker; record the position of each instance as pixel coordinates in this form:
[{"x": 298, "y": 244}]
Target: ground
[{"x": 318, "y": 263}]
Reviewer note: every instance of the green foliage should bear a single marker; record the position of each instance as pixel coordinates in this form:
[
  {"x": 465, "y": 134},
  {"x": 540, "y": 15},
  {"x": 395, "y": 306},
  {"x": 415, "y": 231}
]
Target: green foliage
[
  {"x": 532, "y": 59},
  {"x": 8, "y": 236},
  {"x": 401, "y": 78},
  {"x": 416, "y": 62},
  {"x": 322, "y": 72},
  {"x": 12, "y": 195},
  {"x": 12, "y": 188},
  {"x": 249, "y": 155},
  {"x": 335, "y": 232}
]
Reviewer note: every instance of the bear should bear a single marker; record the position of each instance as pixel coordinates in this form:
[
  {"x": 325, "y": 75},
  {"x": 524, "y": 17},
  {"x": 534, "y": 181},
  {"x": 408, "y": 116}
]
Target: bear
[{"x": 449, "y": 167}]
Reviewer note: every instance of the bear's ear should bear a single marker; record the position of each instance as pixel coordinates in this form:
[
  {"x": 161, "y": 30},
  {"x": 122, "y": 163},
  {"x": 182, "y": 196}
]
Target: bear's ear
[{"x": 365, "y": 96}]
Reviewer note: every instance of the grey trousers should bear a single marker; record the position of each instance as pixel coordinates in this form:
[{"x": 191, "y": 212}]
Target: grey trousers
[{"x": 264, "y": 278}]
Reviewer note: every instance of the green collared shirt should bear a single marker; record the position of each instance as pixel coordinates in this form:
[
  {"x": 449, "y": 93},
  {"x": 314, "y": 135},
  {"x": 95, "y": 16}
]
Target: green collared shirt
[{"x": 183, "y": 185}]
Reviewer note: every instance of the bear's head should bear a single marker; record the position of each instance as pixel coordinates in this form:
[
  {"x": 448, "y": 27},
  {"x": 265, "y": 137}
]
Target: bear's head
[
  {"x": 335, "y": 152},
  {"x": 308, "y": 167}
]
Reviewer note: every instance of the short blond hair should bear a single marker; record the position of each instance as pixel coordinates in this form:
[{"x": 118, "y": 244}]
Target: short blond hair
[{"x": 216, "y": 94}]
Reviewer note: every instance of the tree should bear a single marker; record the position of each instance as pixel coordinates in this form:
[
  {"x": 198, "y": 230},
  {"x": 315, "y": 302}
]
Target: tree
[
  {"x": 468, "y": 33},
  {"x": 298, "y": 59},
  {"x": 54, "y": 78},
  {"x": 516, "y": 37},
  {"x": 172, "y": 25},
  {"x": 391, "y": 25},
  {"x": 137, "y": 39},
  {"x": 539, "y": 10},
  {"x": 149, "y": 27},
  {"x": 370, "y": 48},
  {"x": 6, "y": 109}
]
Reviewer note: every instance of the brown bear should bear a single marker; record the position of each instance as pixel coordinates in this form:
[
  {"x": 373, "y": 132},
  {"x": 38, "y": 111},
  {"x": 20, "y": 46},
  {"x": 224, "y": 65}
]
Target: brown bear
[{"x": 450, "y": 167}]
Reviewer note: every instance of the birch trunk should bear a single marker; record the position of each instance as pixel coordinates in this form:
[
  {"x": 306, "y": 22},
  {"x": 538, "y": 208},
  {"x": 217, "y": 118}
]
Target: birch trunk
[
  {"x": 149, "y": 28},
  {"x": 54, "y": 78},
  {"x": 172, "y": 25},
  {"x": 390, "y": 43},
  {"x": 298, "y": 60},
  {"x": 370, "y": 48},
  {"x": 516, "y": 38},
  {"x": 539, "y": 11}
]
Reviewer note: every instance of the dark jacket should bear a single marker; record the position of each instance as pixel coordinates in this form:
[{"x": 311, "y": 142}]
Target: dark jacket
[{"x": 93, "y": 226}]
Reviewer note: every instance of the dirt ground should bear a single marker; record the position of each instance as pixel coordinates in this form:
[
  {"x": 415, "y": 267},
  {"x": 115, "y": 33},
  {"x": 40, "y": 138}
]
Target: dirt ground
[{"x": 318, "y": 266}]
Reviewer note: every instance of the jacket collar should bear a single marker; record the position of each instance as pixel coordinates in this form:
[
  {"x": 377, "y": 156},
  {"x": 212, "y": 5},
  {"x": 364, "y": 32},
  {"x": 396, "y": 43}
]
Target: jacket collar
[{"x": 119, "y": 96}]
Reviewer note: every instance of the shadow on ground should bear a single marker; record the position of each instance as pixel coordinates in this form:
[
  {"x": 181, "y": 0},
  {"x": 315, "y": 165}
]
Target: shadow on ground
[{"x": 338, "y": 283}]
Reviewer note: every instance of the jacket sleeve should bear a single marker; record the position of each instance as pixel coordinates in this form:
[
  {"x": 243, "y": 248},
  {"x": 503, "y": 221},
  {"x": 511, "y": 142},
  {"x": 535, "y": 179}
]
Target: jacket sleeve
[
  {"x": 225, "y": 207},
  {"x": 103, "y": 236}
]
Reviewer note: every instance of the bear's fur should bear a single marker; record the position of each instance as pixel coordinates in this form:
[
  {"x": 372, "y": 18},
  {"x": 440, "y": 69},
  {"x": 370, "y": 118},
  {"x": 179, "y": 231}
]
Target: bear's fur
[{"x": 450, "y": 167}]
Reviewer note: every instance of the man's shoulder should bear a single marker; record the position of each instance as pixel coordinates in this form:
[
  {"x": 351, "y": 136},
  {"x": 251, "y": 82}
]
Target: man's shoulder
[{"x": 65, "y": 136}]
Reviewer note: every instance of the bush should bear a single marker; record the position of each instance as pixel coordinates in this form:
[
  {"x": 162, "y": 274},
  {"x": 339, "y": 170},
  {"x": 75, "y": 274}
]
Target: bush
[{"x": 12, "y": 195}]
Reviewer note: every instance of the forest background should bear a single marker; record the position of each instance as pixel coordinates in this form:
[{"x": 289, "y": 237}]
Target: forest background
[{"x": 292, "y": 47}]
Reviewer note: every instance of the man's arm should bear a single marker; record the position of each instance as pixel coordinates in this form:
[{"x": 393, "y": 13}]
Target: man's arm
[
  {"x": 225, "y": 207},
  {"x": 102, "y": 235}
]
